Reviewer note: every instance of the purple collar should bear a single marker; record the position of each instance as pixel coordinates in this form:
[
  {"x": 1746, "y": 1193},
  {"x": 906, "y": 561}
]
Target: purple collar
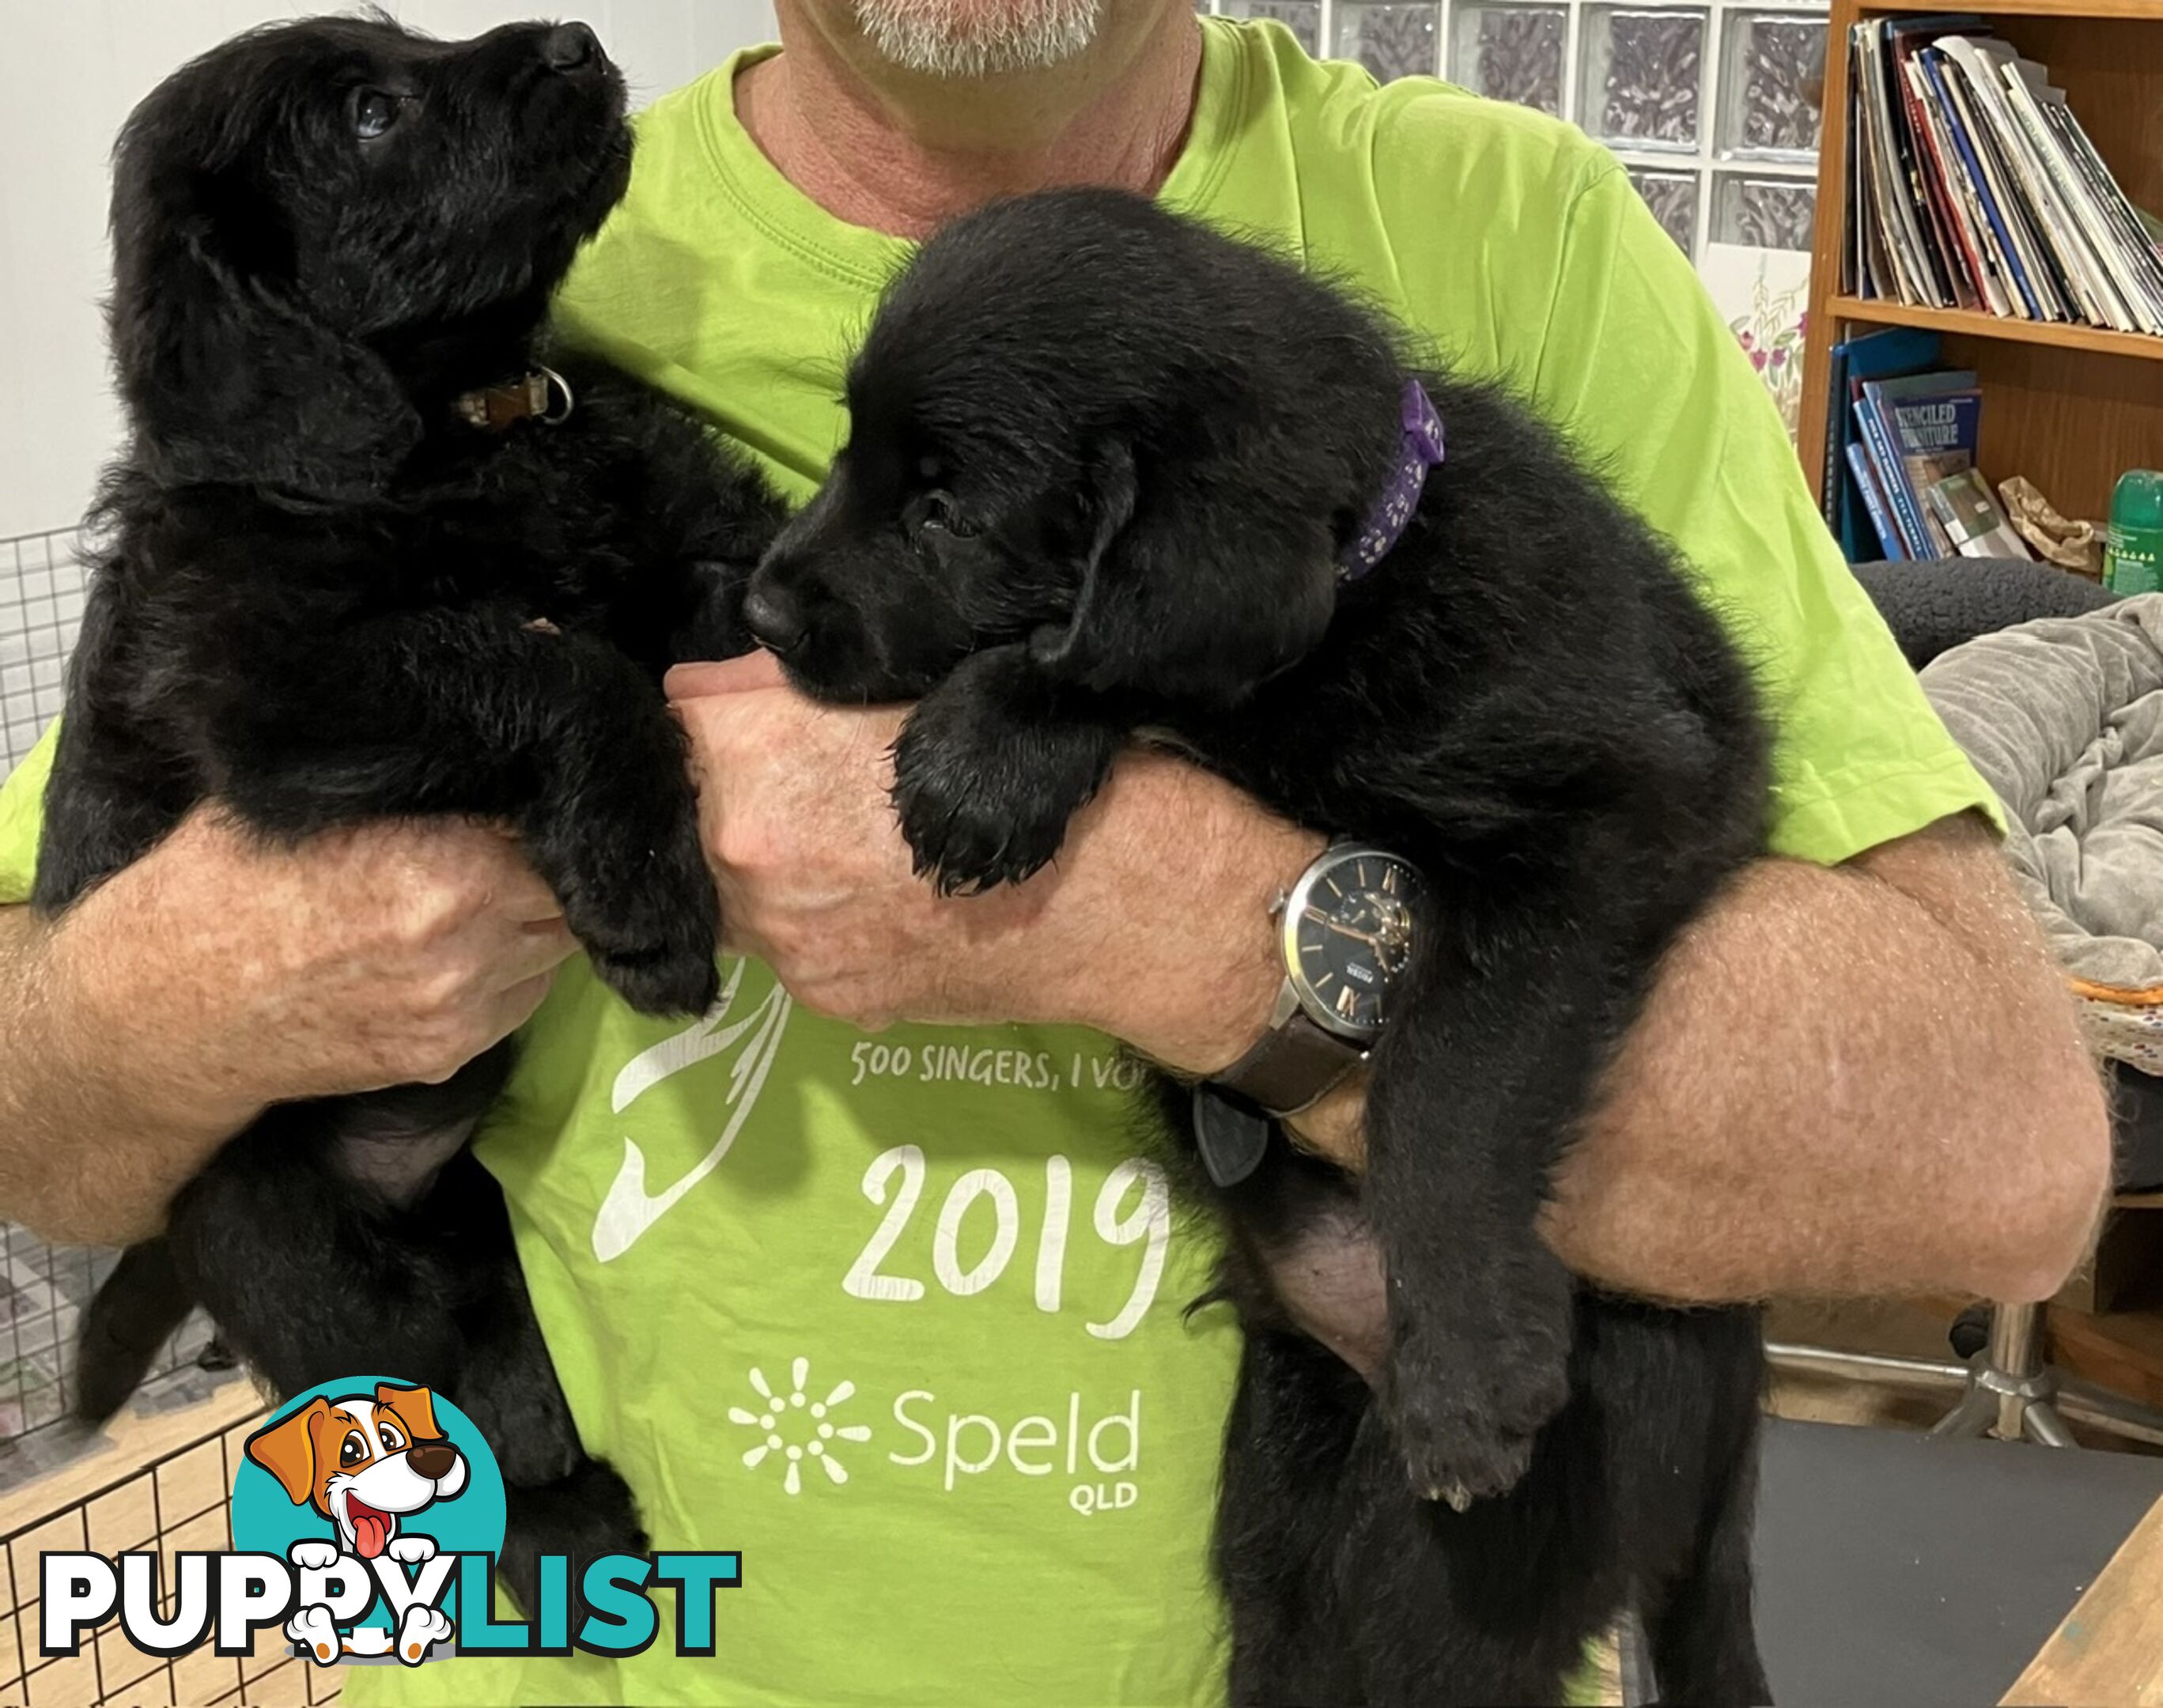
[{"x": 1386, "y": 522}]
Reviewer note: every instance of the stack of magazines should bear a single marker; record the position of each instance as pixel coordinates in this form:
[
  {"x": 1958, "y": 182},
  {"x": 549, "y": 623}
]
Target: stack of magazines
[{"x": 1973, "y": 186}]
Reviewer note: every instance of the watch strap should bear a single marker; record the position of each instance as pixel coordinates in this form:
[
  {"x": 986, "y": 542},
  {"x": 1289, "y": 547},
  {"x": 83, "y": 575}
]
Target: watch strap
[
  {"x": 1291, "y": 1066},
  {"x": 1232, "y": 1134}
]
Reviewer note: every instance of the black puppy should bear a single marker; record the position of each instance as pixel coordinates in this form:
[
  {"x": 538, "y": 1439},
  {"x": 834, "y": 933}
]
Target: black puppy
[
  {"x": 366, "y": 557},
  {"x": 1108, "y": 471}
]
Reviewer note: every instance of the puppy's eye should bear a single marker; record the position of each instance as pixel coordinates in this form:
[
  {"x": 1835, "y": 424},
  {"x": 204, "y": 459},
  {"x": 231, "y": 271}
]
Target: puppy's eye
[
  {"x": 392, "y": 1441},
  {"x": 941, "y": 511},
  {"x": 354, "y": 1449},
  {"x": 374, "y": 112}
]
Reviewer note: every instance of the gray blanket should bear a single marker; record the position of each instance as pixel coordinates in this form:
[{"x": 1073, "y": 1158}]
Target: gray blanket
[{"x": 2064, "y": 718}]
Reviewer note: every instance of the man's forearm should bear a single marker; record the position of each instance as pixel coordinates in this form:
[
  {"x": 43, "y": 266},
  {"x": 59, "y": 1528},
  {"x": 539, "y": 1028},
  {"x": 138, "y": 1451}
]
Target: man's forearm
[
  {"x": 89, "y": 1149},
  {"x": 1865, "y": 1080}
]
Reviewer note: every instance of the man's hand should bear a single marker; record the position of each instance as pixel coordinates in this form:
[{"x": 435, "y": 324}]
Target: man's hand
[
  {"x": 160, "y": 1015},
  {"x": 1796, "y": 1111},
  {"x": 1153, "y": 924}
]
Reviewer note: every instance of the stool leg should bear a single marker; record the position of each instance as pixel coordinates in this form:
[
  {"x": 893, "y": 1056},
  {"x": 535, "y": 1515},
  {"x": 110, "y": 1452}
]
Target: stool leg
[
  {"x": 2086, "y": 1403},
  {"x": 2015, "y": 1355},
  {"x": 2041, "y": 1422},
  {"x": 1976, "y": 1412}
]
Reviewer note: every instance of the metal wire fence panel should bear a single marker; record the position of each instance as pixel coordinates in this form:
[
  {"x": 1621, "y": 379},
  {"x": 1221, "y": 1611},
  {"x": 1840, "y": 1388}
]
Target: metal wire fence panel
[
  {"x": 177, "y": 1501},
  {"x": 41, "y": 588},
  {"x": 44, "y": 1289}
]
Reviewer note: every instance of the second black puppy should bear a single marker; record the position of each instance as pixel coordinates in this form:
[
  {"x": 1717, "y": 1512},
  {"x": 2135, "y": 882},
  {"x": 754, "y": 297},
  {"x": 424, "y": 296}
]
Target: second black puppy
[
  {"x": 365, "y": 557},
  {"x": 1108, "y": 471}
]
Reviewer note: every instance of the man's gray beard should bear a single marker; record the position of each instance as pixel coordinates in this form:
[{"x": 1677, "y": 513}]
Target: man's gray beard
[{"x": 978, "y": 38}]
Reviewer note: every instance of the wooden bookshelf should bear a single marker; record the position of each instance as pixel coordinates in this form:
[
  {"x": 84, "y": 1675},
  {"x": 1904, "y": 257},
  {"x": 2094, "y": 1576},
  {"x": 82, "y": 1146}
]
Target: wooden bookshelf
[{"x": 2071, "y": 407}]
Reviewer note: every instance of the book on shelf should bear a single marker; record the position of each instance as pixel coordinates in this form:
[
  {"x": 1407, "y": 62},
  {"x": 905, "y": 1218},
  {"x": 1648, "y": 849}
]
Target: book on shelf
[
  {"x": 1929, "y": 425},
  {"x": 1968, "y": 510},
  {"x": 1973, "y": 186},
  {"x": 1887, "y": 354},
  {"x": 1902, "y": 447},
  {"x": 1873, "y": 504}
]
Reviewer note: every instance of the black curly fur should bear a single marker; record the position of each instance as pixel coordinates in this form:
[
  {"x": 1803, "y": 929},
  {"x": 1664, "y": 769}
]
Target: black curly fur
[
  {"x": 325, "y": 598},
  {"x": 1101, "y": 464}
]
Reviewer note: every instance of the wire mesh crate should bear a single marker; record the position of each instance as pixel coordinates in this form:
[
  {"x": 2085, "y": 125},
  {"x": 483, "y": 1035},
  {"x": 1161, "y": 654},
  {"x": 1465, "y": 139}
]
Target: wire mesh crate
[
  {"x": 178, "y": 1500},
  {"x": 44, "y": 1289}
]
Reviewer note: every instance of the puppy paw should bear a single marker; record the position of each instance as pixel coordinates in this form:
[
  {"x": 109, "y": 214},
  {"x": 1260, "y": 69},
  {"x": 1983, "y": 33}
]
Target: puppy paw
[
  {"x": 412, "y": 1550},
  {"x": 311, "y": 1629},
  {"x": 584, "y": 1515},
  {"x": 1467, "y": 1401},
  {"x": 985, "y": 781},
  {"x": 313, "y": 1556},
  {"x": 662, "y": 981},
  {"x": 646, "y": 913},
  {"x": 418, "y": 1630}
]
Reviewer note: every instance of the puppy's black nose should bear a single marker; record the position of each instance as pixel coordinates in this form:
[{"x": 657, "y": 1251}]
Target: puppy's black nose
[
  {"x": 569, "y": 46},
  {"x": 773, "y": 619},
  {"x": 431, "y": 1459}
]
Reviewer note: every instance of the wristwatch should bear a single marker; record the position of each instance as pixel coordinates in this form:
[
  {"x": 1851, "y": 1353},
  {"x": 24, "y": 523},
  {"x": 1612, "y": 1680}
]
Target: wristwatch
[{"x": 1348, "y": 933}]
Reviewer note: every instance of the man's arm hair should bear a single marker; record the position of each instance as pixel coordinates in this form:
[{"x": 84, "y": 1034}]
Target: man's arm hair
[
  {"x": 91, "y": 1148},
  {"x": 165, "y": 1009},
  {"x": 1865, "y": 1080}
]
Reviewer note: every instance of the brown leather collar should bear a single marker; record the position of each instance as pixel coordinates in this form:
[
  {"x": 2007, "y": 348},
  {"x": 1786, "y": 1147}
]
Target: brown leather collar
[{"x": 544, "y": 395}]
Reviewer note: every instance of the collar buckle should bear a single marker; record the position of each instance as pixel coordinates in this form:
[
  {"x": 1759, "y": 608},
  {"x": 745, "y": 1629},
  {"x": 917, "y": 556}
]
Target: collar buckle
[{"x": 544, "y": 395}]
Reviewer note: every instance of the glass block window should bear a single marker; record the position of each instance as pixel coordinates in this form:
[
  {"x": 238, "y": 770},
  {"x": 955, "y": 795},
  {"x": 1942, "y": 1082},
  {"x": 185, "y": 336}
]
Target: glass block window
[
  {"x": 1673, "y": 196},
  {"x": 1714, "y": 108},
  {"x": 1302, "y": 18},
  {"x": 1641, "y": 76},
  {"x": 1511, "y": 53},
  {"x": 1771, "y": 85},
  {"x": 1390, "y": 37},
  {"x": 1764, "y": 213}
]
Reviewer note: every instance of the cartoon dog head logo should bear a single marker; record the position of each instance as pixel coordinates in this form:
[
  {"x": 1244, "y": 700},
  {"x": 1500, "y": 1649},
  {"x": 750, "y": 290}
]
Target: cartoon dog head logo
[{"x": 363, "y": 1461}]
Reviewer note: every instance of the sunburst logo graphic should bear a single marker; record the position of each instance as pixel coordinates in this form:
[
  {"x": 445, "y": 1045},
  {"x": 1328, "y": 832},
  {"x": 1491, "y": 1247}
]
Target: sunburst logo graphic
[{"x": 797, "y": 1427}]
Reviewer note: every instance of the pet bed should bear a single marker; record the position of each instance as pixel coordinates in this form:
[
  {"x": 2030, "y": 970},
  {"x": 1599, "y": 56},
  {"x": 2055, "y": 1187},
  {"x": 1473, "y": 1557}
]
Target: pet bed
[{"x": 2064, "y": 718}]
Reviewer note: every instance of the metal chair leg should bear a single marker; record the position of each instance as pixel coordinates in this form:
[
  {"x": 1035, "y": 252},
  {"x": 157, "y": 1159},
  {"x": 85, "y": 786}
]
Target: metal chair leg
[
  {"x": 1975, "y": 1415},
  {"x": 2006, "y": 1391},
  {"x": 1633, "y": 1654},
  {"x": 1863, "y": 1366},
  {"x": 2041, "y": 1423},
  {"x": 2084, "y": 1402}
]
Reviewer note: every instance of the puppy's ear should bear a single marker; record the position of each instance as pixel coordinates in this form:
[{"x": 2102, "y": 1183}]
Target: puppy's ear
[
  {"x": 287, "y": 1450},
  {"x": 1178, "y": 597},
  {"x": 414, "y": 1408},
  {"x": 226, "y": 374}
]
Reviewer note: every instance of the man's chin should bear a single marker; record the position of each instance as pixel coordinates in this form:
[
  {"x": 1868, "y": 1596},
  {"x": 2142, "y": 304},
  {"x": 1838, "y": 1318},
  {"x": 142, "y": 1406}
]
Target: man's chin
[{"x": 965, "y": 39}]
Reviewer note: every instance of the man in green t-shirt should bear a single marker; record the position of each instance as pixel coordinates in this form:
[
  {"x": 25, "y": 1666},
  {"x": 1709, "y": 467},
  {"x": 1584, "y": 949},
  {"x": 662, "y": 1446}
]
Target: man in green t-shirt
[{"x": 866, "y": 1272}]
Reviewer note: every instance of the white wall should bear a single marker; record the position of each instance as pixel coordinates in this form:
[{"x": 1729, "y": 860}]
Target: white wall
[{"x": 74, "y": 69}]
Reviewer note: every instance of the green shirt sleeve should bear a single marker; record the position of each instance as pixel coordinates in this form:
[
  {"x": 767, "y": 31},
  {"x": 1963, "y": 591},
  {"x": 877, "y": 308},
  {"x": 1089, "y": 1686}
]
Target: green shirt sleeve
[
  {"x": 22, "y": 807},
  {"x": 1636, "y": 365},
  {"x": 1523, "y": 250}
]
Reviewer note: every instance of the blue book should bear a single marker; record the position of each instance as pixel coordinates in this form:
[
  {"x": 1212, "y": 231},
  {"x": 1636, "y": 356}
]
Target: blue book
[
  {"x": 1906, "y": 509},
  {"x": 1865, "y": 482},
  {"x": 1932, "y": 423},
  {"x": 1872, "y": 356},
  {"x": 1932, "y": 60}
]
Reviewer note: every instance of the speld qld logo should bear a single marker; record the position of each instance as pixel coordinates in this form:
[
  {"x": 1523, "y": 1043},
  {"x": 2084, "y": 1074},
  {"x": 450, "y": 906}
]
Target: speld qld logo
[{"x": 367, "y": 1514}]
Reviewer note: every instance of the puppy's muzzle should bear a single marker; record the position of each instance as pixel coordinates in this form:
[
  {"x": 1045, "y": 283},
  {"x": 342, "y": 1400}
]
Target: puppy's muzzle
[
  {"x": 775, "y": 619},
  {"x": 570, "y": 48}
]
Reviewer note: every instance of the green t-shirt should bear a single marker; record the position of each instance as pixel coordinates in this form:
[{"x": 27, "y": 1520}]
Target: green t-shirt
[{"x": 900, "y": 1317}]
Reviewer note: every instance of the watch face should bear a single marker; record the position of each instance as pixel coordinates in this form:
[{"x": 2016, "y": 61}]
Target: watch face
[{"x": 1348, "y": 934}]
